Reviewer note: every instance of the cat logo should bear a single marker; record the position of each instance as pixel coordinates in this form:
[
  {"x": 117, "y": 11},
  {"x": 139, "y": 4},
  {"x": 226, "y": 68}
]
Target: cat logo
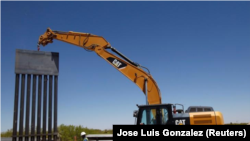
[
  {"x": 180, "y": 122},
  {"x": 116, "y": 63}
]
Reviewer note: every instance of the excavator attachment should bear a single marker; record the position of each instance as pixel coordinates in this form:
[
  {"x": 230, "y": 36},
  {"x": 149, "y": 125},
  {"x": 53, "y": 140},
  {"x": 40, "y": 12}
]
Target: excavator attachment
[
  {"x": 46, "y": 38},
  {"x": 84, "y": 40}
]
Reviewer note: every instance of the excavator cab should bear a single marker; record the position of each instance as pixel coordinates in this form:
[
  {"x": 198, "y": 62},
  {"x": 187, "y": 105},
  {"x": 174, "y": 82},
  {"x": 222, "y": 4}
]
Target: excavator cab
[
  {"x": 153, "y": 114},
  {"x": 160, "y": 114}
]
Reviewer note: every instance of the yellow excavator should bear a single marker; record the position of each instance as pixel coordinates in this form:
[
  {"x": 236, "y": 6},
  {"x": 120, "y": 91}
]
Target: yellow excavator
[{"x": 154, "y": 112}]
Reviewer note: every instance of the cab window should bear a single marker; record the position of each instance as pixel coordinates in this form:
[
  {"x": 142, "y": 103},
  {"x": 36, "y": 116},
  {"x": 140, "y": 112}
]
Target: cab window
[
  {"x": 193, "y": 110},
  {"x": 199, "y": 109},
  {"x": 207, "y": 109},
  {"x": 153, "y": 116}
]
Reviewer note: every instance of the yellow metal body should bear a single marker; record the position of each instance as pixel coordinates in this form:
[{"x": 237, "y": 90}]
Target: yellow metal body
[
  {"x": 99, "y": 45},
  {"x": 137, "y": 75},
  {"x": 206, "y": 118}
]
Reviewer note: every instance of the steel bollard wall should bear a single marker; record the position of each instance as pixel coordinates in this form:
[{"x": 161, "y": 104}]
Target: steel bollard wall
[{"x": 36, "y": 95}]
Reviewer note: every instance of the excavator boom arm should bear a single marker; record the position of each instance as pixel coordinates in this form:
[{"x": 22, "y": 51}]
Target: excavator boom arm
[
  {"x": 84, "y": 40},
  {"x": 99, "y": 45}
]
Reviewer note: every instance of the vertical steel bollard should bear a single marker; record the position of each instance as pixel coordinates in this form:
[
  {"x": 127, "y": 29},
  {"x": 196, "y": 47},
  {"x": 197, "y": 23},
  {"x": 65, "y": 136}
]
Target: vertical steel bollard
[
  {"x": 14, "y": 138},
  {"x": 33, "y": 107},
  {"x": 21, "y": 108}
]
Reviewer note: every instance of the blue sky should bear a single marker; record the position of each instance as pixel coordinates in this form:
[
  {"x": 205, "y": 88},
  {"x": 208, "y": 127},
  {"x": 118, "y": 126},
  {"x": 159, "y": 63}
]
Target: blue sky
[{"x": 197, "y": 52}]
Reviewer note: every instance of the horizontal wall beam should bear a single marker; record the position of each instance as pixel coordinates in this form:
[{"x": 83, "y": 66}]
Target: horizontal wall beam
[{"x": 36, "y": 62}]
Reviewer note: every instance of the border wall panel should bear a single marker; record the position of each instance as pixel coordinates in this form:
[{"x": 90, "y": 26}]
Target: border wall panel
[{"x": 36, "y": 85}]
